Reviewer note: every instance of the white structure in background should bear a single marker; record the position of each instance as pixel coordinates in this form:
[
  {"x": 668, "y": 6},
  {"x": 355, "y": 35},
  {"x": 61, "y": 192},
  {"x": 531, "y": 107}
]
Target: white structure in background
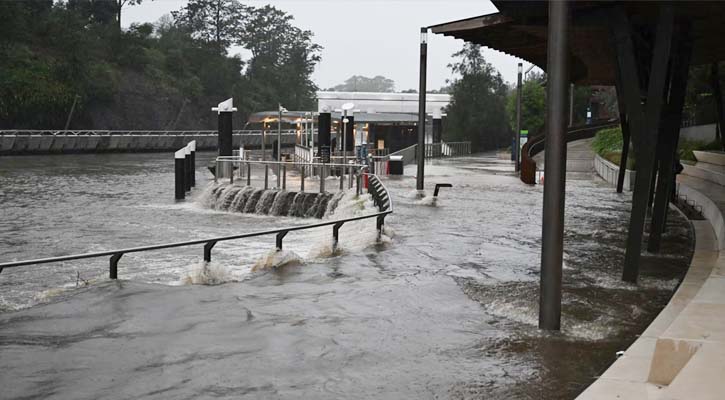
[{"x": 403, "y": 103}]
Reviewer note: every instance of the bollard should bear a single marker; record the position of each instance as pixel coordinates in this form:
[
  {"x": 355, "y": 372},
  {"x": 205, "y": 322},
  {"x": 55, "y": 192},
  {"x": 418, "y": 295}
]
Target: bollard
[
  {"x": 266, "y": 176},
  {"x": 179, "y": 175},
  {"x": 357, "y": 182},
  {"x": 192, "y": 175},
  {"x": 187, "y": 167},
  {"x": 249, "y": 174},
  {"x": 284, "y": 177},
  {"x": 217, "y": 171},
  {"x": 349, "y": 177},
  {"x": 342, "y": 179},
  {"x": 231, "y": 171},
  {"x": 113, "y": 267}
]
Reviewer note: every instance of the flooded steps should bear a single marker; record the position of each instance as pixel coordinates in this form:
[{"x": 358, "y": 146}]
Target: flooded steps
[{"x": 681, "y": 355}]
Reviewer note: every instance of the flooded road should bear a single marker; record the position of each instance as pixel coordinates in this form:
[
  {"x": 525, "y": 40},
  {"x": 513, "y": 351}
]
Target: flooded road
[{"x": 444, "y": 307}]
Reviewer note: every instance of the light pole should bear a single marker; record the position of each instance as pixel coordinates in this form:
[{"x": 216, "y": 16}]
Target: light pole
[
  {"x": 421, "y": 108},
  {"x": 279, "y": 142},
  {"x": 345, "y": 108},
  {"x": 518, "y": 120}
]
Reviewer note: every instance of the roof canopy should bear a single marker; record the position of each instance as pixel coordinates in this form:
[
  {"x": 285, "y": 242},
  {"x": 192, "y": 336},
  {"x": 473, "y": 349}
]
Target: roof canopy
[{"x": 520, "y": 29}]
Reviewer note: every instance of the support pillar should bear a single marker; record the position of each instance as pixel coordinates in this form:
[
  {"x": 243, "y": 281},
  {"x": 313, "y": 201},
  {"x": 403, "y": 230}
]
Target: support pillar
[
  {"x": 552, "y": 246},
  {"x": 644, "y": 124},
  {"x": 670, "y": 135},
  {"x": 717, "y": 92},
  {"x": 420, "y": 150},
  {"x": 624, "y": 123}
]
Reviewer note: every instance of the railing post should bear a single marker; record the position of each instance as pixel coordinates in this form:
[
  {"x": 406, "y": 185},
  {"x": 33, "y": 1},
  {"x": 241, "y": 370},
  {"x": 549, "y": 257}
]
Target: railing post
[
  {"x": 342, "y": 178},
  {"x": 323, "y": 170},
  {"x": 249, "y": 174},
  {"x": 266, "y": 176},
  {"x": 207, "y": 250},
  {"x": 380, "y": 223},
  {"x": 231, "y": 171},
  {"x": 302, "y": 178},
  {"x": 284, "y": 177},
  {"x": 336, "y": 235},
  {"x": 358, "y": 178},
  {"x": 113, "y": 270},
  {"x": 280, "y": 236},
  {"x": 217, "y": 171}
]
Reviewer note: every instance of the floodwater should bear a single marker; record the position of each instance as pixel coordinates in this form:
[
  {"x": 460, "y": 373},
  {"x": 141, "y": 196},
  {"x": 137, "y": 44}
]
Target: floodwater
[{"x": 443, "y": 306}]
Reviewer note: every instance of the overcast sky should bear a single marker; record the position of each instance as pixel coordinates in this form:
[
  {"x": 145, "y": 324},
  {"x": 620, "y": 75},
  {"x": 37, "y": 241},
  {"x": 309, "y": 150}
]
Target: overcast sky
[{"x": 368, "y": 37}]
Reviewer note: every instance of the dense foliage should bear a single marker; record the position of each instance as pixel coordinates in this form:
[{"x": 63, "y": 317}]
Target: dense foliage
[
  {"x": 607, "y": 144},
  {"x": 165, "y": 75},
  {"x": 477, "y": 111},
  {"x": 533, "y": 105}
]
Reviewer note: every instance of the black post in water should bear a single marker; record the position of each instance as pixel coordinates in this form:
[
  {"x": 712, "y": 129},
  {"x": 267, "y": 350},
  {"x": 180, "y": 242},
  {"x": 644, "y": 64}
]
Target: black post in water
[
  {"x": 192, "y": 174},
  {"x": 187, "y": 168},
  {"x": 420, "y": 154},
  {"x": 517, "y": 134},
  {"x": 179, "y": 185},
  {"x": 324, "y": 124},
  {"x": 349, "y": 133},
  {"x": 225, "y": 133},
  {"x": 552, "y": 246},
  {"x": 437, "y": 129}
]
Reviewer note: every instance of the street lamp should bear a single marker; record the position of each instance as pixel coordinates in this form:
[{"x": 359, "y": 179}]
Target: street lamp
[
  {"x": 345, "y": 108},
  {"x": 279, "y": 141}
]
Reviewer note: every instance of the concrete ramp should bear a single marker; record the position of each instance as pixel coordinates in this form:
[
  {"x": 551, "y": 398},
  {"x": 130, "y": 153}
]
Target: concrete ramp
[{"x": 579, "y": 157}]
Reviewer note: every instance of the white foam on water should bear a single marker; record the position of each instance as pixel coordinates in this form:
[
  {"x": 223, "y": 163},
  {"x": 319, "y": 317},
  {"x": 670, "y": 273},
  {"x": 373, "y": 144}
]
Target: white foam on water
[
  {"x": 277, "y": 259},
  {"x": 211, "y": 273}
]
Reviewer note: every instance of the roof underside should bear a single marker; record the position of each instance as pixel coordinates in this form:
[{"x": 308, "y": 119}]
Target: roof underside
[{"x": 520, "y": 29}]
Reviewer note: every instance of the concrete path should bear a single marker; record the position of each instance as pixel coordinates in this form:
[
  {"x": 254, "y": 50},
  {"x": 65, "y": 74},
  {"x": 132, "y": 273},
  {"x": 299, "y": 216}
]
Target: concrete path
[{"x": 579, "y": 157}]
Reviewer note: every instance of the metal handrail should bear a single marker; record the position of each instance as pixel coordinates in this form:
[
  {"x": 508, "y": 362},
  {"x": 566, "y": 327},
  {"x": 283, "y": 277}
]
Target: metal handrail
[
  {"x": 94, "y": 132},
  {"x": 211, "y": 242}
]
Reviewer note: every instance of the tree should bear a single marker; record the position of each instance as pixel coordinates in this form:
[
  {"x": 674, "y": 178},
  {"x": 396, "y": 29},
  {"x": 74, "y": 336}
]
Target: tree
[
  {"x": 359, "y": 83},
  {"x": 533, "y": 104},
  {"x": 217, "y": 22},
  {"x": 119, "y": 7},
  {"x": 283, "y": 60},
  {"x": 477, "y": 110}
]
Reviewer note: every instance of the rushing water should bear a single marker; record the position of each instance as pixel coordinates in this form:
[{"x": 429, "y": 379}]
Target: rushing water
[{"x": 444, "y": 307}]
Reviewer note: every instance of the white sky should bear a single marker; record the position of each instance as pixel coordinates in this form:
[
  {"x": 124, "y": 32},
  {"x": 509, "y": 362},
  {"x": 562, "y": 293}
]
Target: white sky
[{"x": 368, "y": 37}]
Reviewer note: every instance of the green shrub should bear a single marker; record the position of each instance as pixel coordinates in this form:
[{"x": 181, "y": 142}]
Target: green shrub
[
  {"x": 685, "y": 148},
  {"x": 607, "y": 144}
]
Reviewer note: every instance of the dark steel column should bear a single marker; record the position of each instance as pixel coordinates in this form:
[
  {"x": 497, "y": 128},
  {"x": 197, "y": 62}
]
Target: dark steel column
[
  {"x": 420, "y": 153},
  {"x": 437, "y": 129},
  {"x": 648, "y": 135},
  {"x": 187, "y": 168},
  {"x": 517, "y": 134},
  {"x": 192, "y": 174},
  {"x": 552, "y": 245},
  {"x": 179, "y": 184},
  {"x": 624, "y": 123},
  {"x": 716, "y": 91},
  {"x": 225, "y": 133},
  {"x": 349, "y": 133},
  {"x": 671, "y": 132}
]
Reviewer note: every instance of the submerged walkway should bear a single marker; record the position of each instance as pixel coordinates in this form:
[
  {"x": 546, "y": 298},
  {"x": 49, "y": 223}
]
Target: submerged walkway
[{"x": 681, "y": 355}]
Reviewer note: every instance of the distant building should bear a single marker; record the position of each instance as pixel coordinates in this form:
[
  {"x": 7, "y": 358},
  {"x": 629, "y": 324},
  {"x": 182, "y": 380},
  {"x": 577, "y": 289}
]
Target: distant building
[
  {"x": 386, "y": 120},
  {"x": 381, "y": 120}
]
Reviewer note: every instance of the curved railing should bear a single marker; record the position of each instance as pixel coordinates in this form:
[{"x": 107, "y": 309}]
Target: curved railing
[
  {"x": 537, "y": 144},
  {"x": 378, "y": 191}
]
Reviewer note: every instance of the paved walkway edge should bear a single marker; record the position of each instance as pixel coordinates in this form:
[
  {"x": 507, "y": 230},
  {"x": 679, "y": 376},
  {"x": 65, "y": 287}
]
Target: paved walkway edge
[{"x": 681, "y": 355}]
